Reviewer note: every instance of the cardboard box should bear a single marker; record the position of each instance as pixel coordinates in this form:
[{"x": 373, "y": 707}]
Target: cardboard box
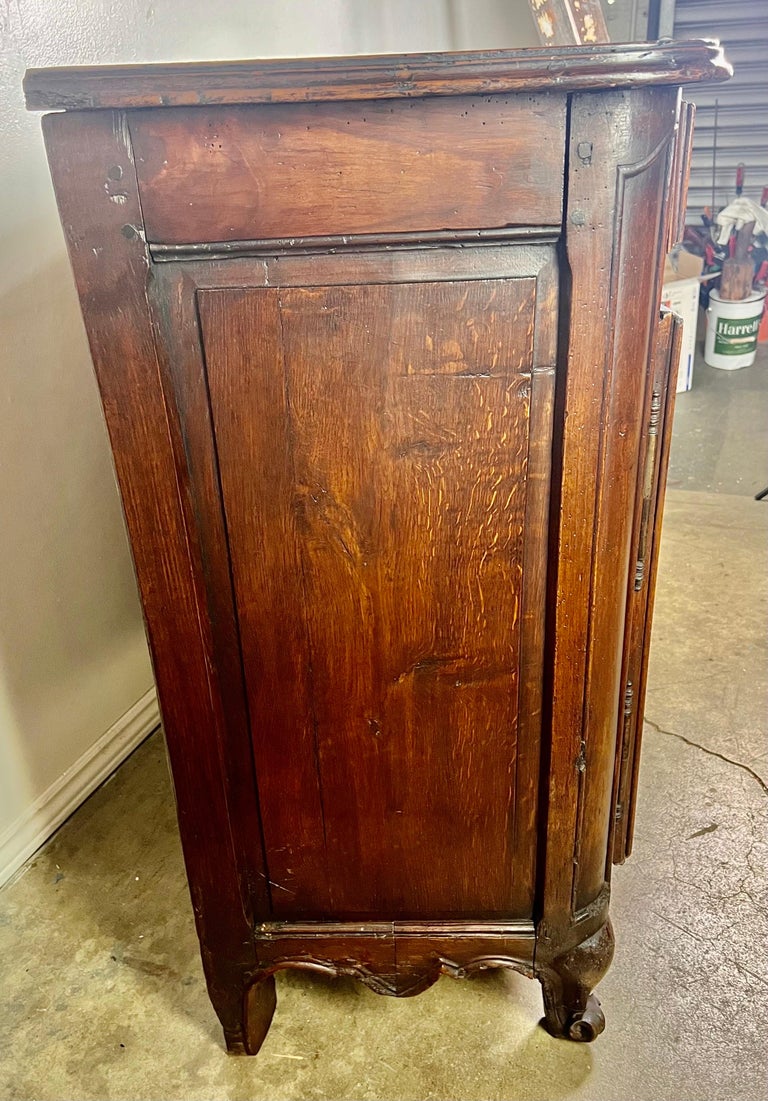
[{"x": 680, "y": 293}]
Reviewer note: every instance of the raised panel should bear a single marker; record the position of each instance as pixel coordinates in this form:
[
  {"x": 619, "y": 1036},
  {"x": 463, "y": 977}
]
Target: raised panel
[{"x": 373, "y": 452}]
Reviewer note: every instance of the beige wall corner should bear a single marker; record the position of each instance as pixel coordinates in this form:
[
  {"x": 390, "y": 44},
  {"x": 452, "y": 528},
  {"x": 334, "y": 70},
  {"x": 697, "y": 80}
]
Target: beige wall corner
[
  {"x": 73, "y": 660},
  {"x": 41, "y": 818}
]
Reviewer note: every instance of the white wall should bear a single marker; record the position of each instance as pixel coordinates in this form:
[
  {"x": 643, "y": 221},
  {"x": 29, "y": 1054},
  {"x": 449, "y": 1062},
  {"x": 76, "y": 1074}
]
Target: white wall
[{"x": 73, "y": 661}]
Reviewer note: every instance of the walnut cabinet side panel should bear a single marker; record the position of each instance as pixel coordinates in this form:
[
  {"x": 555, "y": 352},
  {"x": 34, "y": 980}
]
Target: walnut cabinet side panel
[{"x": 582, "y": 446}]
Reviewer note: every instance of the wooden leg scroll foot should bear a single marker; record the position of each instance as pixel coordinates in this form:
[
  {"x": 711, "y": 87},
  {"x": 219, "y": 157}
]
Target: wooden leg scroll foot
[
  {"x": 571, "y": 1010},
  {"x": 259, "y": 1003}
]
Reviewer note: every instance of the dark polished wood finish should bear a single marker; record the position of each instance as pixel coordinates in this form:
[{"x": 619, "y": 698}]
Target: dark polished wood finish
[
  {"x": 649, "y": 507},
  {"x": 390, "y": 403},
  {"x": 387, "y": 76},
  {"x": 294, "y": 171}
]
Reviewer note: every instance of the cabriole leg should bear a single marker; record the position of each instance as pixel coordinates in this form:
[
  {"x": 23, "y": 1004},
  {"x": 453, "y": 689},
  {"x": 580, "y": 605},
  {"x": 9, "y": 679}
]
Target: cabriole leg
[{"x": 571, "y": 1010}]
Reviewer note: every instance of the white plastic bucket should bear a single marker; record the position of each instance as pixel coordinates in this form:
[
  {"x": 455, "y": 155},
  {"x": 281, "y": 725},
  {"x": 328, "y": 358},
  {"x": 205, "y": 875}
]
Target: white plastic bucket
[{"x": 731, "y": 340}]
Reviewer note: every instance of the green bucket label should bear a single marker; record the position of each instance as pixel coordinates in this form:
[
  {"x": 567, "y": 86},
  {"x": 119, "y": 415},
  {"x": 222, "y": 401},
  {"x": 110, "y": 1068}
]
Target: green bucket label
[{"x": 736, "y": 336}]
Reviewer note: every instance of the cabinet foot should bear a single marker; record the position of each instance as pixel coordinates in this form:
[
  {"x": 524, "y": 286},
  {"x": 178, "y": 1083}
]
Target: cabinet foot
[
  {"x": 258, "y": 1007},
  {"x": 571, "y": 1010}
]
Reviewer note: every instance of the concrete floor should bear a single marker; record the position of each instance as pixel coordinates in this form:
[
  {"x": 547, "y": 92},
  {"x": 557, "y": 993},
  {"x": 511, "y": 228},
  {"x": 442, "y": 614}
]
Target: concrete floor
[
  {"x": 720, "y": 441},
  {"x": 101, "y": 990}
]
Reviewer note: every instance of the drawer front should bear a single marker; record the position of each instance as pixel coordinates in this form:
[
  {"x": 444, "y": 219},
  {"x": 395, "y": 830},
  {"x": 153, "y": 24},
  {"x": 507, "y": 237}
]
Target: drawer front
[{"x": 309, "y": 170}]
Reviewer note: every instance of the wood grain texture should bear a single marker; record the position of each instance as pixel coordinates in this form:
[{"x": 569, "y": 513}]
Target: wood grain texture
[
  {"x": 641, "y": 185},
  {"x": 398, "y": 476},
  {"x": 252, "y": 434},
  {"x": 651, "y": 476},
  {"x": 387, "y": 488},
  {"x": 110, "y": 268},
  {"x": 665, "y": 343},
  {"x": 267, "y": 248},
  {"x": 412, "y": 265},
  {"x": 388, "y": 76},
  {"x": 618, "y": 172},
  {"x": 668, "y": 383},
  {"x": 171, "y": 298},
  {"x": 318, "y": 169},
  {"x": 536, "y": 566},
  {"x": 173, "y": 292},
  {"x": 397, "y": 958}
]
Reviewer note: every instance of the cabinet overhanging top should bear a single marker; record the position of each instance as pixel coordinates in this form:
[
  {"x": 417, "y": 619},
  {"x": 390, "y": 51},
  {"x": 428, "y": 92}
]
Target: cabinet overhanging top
[{"x": 389, "y": 76}]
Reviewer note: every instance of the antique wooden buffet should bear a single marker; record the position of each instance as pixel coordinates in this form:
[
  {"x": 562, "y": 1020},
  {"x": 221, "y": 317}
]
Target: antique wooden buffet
[{"x": 389, "y": 396}]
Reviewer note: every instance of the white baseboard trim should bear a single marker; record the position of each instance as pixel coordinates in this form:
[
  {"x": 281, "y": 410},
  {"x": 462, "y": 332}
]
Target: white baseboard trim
[{"x": 36, "y": 824}]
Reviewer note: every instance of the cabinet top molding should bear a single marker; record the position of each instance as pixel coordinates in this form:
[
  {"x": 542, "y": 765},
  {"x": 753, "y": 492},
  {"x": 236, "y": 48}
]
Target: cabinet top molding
[{"x": 389, "y": 76}]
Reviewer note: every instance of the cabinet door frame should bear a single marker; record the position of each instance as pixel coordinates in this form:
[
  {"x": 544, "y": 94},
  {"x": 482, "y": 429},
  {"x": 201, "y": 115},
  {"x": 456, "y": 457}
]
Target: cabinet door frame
[
  {"x": 614, "y": 237},
  {"x": 173, "y": 296}
]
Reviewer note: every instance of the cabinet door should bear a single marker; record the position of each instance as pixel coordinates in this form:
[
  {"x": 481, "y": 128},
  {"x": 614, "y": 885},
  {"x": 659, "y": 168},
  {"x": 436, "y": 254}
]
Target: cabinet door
[{"x": 373, "y": 449}]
